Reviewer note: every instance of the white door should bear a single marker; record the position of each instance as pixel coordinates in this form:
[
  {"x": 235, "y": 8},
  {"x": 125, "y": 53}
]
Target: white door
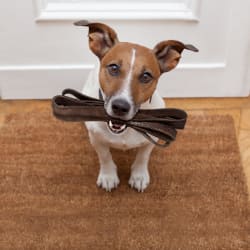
[{"x": 41, "y": 52}]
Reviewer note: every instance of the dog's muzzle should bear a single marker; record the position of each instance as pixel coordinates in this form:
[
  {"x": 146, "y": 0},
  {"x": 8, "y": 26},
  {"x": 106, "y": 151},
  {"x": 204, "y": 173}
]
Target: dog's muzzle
[{"x": 120, "y": 109}]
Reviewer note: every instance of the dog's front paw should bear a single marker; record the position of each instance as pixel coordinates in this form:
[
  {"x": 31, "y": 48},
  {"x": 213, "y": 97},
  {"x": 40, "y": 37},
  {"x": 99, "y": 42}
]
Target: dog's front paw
[
  {"x": 139, "y": 179},
  {"x": 108, "y": 181}
]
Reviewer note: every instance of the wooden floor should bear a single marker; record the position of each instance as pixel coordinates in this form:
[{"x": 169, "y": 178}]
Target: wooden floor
[{"x": 239, "y": 108}]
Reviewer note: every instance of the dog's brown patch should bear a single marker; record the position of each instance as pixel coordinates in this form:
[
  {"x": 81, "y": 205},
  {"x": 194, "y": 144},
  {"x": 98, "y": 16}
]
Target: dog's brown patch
[{"x": 145, "y": 60}]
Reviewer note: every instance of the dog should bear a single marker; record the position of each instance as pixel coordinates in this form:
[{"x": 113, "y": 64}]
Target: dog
[{"x": 126, "y": 79}]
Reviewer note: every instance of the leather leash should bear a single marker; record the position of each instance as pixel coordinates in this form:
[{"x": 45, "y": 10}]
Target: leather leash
[{"x": 159, "y": 123}]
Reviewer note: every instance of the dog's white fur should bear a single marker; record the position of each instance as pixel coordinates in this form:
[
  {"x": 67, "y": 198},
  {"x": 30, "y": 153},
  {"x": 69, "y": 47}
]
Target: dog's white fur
[{"x": 103, "y": 139}]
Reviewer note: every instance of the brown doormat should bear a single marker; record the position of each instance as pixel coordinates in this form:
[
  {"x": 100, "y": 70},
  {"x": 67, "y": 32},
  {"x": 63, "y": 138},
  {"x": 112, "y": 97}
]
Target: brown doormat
[{"x": 197, "y": 198}]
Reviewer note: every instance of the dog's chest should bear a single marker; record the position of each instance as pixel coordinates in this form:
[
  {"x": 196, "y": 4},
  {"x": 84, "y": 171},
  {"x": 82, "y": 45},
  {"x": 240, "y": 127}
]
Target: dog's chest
[{"x": 127, "y": 140}]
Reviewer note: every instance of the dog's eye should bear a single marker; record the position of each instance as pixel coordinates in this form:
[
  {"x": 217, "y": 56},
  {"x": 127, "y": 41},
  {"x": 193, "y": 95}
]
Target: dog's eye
[
  {"x": 146, "y": 77},
  {"x": 113, "y": 69}
]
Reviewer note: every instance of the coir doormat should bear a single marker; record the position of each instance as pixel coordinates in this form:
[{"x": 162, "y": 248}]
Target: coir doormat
[{"x": 197, "y": 198}]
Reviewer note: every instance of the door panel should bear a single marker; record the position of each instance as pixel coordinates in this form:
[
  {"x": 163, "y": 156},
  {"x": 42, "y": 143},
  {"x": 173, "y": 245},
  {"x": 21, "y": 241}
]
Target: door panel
[{"x": 41, "y": 51}]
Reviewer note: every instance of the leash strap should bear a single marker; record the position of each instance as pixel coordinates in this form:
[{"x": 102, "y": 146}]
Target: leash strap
[{"x": 154, "y": 124}]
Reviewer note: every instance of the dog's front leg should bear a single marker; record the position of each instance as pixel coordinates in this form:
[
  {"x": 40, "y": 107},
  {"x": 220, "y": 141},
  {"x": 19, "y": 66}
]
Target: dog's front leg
[
  {"x": 139, "y": 178},
  {"x": 107, "y": 178}
]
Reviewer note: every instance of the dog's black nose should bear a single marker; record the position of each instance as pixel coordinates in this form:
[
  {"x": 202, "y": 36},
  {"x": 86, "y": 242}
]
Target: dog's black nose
[{"x": 120, "y": 107}]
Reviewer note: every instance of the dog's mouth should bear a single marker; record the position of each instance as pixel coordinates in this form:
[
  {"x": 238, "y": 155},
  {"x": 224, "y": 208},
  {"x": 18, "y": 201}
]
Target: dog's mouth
[{"x": 116, "y": 127}]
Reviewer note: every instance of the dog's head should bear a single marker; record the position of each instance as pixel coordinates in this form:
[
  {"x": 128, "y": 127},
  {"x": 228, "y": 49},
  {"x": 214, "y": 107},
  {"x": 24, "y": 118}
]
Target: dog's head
[{"x": 129, "y": 72}]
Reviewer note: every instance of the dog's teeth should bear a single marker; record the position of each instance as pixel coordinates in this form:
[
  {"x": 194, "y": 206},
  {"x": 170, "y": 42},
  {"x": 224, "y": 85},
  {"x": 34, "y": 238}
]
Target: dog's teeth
[
  {"x": 123, "y": 126},
  {"x": 116, "y": 128}
]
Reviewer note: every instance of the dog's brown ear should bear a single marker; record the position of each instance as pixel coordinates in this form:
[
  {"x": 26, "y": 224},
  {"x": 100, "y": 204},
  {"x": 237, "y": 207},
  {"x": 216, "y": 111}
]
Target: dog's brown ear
[
  {"x": 101, "y": 37},
  {"x": 169, "y": 52}
]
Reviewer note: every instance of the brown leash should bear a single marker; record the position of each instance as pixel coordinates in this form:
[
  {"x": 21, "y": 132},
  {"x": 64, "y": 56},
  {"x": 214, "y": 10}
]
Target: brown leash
[{"x": 160, "y": 123}]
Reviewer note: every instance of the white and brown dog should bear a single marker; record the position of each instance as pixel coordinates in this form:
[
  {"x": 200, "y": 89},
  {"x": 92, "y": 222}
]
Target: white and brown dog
[{"x": 127, "y": 77}]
